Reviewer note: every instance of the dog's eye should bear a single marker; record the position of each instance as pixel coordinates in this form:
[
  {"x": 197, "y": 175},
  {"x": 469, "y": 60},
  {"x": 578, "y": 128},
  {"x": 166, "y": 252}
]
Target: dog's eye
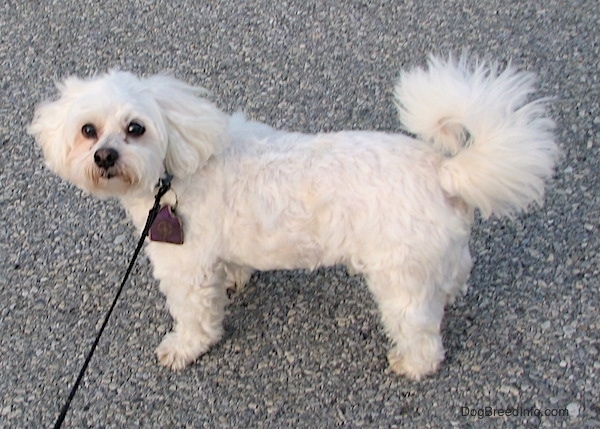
[
  {"x": 135, "y": 129},
  {"x": 89, "y": 131}
]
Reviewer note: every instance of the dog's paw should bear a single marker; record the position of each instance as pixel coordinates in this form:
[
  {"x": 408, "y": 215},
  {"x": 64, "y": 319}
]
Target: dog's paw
[
  {"x": 415, "y": 366},
  {"x": 236, "y": 279},
  {"x": 176, "y": 354}
]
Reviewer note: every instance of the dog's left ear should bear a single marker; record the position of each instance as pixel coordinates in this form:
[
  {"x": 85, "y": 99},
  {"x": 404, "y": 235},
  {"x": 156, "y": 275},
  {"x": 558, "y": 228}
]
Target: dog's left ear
[
  {"x": 49, "y": 126},
  {"x": 195, "y": 126}
]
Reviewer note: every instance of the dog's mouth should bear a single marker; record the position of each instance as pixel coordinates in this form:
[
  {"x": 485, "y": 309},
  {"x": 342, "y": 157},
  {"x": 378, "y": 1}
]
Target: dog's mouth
[
  {"x": 106, "y": 182},
  {"x": 107, "y": 174}
]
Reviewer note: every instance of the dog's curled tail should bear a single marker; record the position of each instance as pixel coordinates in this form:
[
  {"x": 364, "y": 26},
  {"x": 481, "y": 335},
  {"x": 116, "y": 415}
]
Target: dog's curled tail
[{"x": 499, "y": 148}]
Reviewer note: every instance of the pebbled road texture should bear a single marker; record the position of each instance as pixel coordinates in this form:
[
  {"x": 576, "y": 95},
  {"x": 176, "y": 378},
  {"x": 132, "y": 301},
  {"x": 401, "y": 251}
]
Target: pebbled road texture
[{"x": 301, "y": 350}]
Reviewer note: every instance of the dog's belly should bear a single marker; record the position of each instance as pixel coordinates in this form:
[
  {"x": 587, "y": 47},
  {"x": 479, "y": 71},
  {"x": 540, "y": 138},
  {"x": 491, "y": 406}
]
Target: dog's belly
[{"x": 280, "y": 248}]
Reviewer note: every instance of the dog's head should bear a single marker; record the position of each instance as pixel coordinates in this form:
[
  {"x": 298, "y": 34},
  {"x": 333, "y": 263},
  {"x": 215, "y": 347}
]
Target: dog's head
[{"x": 115, "y": 134}]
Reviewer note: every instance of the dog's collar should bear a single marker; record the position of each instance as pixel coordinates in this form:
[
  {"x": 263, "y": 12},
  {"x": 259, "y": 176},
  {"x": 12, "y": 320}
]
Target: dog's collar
[{"x": 165, "y": 181}]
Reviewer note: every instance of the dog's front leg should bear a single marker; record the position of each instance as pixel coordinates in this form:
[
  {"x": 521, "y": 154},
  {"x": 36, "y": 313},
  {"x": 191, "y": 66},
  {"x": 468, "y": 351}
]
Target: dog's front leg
[{"x": 197, "y": 306}]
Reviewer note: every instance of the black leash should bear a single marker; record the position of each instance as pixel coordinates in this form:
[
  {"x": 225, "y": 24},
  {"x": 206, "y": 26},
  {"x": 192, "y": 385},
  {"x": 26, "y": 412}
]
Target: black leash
[{"x": 165, "y": 185}]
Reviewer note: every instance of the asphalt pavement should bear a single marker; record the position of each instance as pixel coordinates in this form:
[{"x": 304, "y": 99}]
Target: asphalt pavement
[{"x": 301, "y": 349}]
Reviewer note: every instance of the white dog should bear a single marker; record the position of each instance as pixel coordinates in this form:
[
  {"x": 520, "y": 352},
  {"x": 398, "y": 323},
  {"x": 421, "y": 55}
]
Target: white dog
[{"x": 395, "y": 208}]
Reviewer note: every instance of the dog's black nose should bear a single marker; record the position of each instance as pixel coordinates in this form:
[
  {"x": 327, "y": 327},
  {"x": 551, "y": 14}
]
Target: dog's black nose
[{"x": 106, "y": 158}]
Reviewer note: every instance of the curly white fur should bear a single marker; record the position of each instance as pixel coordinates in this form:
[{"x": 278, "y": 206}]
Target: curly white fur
[{"x": 394, "y": 208}]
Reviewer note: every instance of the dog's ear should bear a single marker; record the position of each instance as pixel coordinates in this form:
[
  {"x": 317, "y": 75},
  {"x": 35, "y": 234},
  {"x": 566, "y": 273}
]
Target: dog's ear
[
  {"x": 49, "y": 125},
  {"x": 195, "y": 126}
]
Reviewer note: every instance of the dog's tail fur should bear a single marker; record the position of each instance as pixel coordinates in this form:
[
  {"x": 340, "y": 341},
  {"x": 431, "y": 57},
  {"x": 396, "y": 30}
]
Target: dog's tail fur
[{"x": 499, "y": 148}]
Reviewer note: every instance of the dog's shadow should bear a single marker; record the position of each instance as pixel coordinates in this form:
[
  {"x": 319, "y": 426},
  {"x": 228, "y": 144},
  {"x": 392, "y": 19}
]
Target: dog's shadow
[{"x": 304, "y": 315}]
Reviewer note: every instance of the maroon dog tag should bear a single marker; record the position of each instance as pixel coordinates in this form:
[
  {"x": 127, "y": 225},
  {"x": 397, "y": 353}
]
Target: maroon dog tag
[{"x": 166, "y": 228}]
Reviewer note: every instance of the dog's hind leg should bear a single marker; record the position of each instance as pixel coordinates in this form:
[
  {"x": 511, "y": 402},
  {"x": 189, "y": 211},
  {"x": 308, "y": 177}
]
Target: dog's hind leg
[
  {"x": 457, "y": 284},
  {"x": 236, "y": 277},
  {"x": 198, "y": 310},
  {"x": 411, "y": 312}
]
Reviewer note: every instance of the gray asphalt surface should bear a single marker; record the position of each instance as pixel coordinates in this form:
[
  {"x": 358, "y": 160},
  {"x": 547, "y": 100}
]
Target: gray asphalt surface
[{"x": 301, "y": 350}]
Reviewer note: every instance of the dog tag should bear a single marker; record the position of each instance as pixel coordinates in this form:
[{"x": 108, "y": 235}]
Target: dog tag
[{"x": 166, "y": 228}]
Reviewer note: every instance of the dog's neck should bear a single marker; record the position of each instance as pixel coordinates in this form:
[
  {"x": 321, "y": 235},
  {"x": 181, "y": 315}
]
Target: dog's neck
[{"x": 137, "y": 204}]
